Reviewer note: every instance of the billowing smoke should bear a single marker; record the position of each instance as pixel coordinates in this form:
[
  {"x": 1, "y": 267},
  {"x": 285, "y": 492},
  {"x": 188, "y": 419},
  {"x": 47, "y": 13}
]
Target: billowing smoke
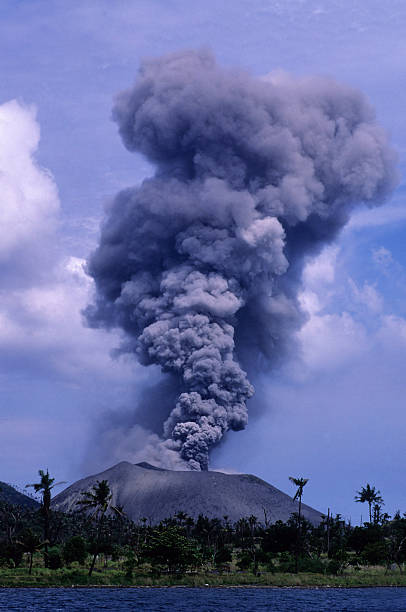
[{"x": 200, "y": 264}]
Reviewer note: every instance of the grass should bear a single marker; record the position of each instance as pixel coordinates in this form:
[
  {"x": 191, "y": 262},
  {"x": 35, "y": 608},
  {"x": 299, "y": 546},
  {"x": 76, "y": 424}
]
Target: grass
[{"x": 115, "y": 576}]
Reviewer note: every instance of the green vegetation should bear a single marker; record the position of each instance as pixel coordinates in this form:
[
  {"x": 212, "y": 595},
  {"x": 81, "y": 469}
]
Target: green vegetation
[
  {"x": 370, "y": 495},
  {"x": 300, "y": 483},
  {"x": 45, "y": 486},
  {"x": 98, "y": 545},
  {"x": 98, "y": 500}
]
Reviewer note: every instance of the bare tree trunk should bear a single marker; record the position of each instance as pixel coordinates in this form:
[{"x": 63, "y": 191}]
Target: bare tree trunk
[
  {"x": 299, "y": 534},
  {"x": 93, "y": 563},
  {"x": 96, "y": 552},
  {"x": 328, "y": 533},
  {"x": 45, "y": 511}
]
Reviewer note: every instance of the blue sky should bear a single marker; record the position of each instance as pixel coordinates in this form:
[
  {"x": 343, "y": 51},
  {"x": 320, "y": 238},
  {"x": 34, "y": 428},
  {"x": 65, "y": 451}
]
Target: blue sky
[{"x": 336, "y": 412}]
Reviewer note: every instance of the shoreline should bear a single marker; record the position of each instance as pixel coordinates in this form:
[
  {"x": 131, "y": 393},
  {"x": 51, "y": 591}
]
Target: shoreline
[
  {"x": 204, "y": 587},
  {"x": 116, "y": 578},
  {"x": 303, "y": 582}
]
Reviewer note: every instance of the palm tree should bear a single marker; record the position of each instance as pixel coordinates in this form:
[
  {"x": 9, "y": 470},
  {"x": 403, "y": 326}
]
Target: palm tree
[
  {"x": 98, "y": 500},
  {"x": 253, "y": 523},
  {"x": 300, "y": 483},
  {"x": 181, "y": 518},
  {"x": 45, "y": 486},
  {"x": 371, "y": 495},
  {"x": 31, "y": 544}
]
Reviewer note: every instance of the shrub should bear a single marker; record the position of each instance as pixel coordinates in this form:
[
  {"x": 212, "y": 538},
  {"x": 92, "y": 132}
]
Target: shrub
[
  {"x": 333, "y": 567},
  {"x": 130, "y": 563},
  {"x": 313, "y": 566},
  {"x": 286, "y": 563},
  {"x": 10, "y": 554},
  {"x": 244, "y": 560},
  {"x": 223, "y": 555},
  {"x": 169, "y": 548},
  {"x": 75, "y": 550},
  {"x": 374, "y": 553},
  {"x": 54, "y": 560}
]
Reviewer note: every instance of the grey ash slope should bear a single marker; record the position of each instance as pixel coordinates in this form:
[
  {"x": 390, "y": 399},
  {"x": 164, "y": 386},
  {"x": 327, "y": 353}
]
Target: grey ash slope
[{"x": 146, "y": 491}]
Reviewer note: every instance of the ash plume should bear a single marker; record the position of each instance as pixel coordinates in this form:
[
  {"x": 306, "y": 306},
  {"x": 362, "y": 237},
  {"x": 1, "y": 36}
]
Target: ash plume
[{"x": 200, "y": 265}]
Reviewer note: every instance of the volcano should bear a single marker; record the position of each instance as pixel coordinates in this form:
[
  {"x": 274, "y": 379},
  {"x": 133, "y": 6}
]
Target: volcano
[{"x": 145, "y": 491}]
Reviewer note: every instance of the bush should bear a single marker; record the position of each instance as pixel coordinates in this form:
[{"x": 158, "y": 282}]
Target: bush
[
  {"x": 116, "y": 552},
  {"x": 75, "y": 550},
  {"x": 279, "y": 537},
  {"x": 130, "y": 563},
  {"x": 333, "y": 567},
  {"x": 374, "y": 553},
  {"x": 223, "y": 555},
  {"x": 287, "y": 563},
  {"x": 54, "y": 560},
  {"x": 168, "y": 547},
  {"x": 312, "y": 566},
  {"x": 268, "y": 561},
  {"x": 244, "y": 560},
  {"x": 10, "y": 554}
]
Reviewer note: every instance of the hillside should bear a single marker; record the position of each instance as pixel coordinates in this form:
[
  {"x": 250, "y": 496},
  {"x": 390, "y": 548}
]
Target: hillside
[
  {"x": 10, "y": 495},
  {"x": 146, "y": 491}
]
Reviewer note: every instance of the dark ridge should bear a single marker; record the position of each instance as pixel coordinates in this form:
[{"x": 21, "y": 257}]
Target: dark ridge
[{"x": 10, "y": 495}]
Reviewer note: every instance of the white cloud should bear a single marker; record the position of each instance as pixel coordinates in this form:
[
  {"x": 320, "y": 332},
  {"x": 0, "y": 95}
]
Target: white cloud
[
  {"x": 322, "y": 269},
  {"x": 29, "y": 197},
  {"x": 382, "y": 257},
  {"x": 373, "y": 217},
  {"x": 392, "y": 333},
  {"x": 367, "y": 296},
  {"x": 347, "y": 321},
  {"x": 332, "y": 340},
  {"x": 318, "y": 280},
  {"x": 41, "y": 327}
]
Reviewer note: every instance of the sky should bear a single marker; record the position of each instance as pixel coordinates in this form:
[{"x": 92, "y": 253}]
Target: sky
[{"x": 333, "y": 412}]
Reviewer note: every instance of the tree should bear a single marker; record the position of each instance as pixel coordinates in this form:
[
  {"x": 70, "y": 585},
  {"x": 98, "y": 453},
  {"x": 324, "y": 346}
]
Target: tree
[
  {"x": 300, "y": 483},
  {"x": 371, "y": 495},
  {"x": 279, "y": 537},
  {"x": 31, "y": 544},
  {"x": 396, "y": 539},
  {"x": 98, "y": 502},
  {"x": 55, "y": 559},
  {"x": 130, "y": 563},
  {"x": 169, "y": 548},
  {"x": 75, "y": 550},
  {"x": 223, "y": 555},
  {"x": 10, "y": 517},
  {"x": 45, "y": 486}
]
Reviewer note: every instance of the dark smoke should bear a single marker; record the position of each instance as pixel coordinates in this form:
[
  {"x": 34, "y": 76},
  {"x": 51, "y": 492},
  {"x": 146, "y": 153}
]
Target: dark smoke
[{"x": 200, "y": 265}]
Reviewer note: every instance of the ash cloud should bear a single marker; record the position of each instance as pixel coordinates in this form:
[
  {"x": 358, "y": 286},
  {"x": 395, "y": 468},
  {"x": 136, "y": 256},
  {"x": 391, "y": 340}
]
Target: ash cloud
[{"x": 200, "y": 265}]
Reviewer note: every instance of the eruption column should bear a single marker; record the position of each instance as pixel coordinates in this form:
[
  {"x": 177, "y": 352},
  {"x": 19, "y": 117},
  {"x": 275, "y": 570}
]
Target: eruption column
[{"x": 200, "y": 264}]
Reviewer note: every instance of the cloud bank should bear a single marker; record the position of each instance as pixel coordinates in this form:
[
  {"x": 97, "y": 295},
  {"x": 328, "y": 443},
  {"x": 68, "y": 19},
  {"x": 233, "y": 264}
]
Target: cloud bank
[
  {"x": 30, "y": 202},
  {"x": 42, "y": 288}
]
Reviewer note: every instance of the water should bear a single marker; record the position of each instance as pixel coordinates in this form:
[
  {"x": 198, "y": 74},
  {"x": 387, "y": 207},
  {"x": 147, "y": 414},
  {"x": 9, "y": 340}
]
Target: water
[{"x": 206, "y": 599}]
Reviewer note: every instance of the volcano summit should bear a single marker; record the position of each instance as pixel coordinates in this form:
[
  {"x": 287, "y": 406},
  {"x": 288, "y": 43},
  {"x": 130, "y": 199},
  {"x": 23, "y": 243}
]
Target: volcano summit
[{"x": 146, "y": 491}]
